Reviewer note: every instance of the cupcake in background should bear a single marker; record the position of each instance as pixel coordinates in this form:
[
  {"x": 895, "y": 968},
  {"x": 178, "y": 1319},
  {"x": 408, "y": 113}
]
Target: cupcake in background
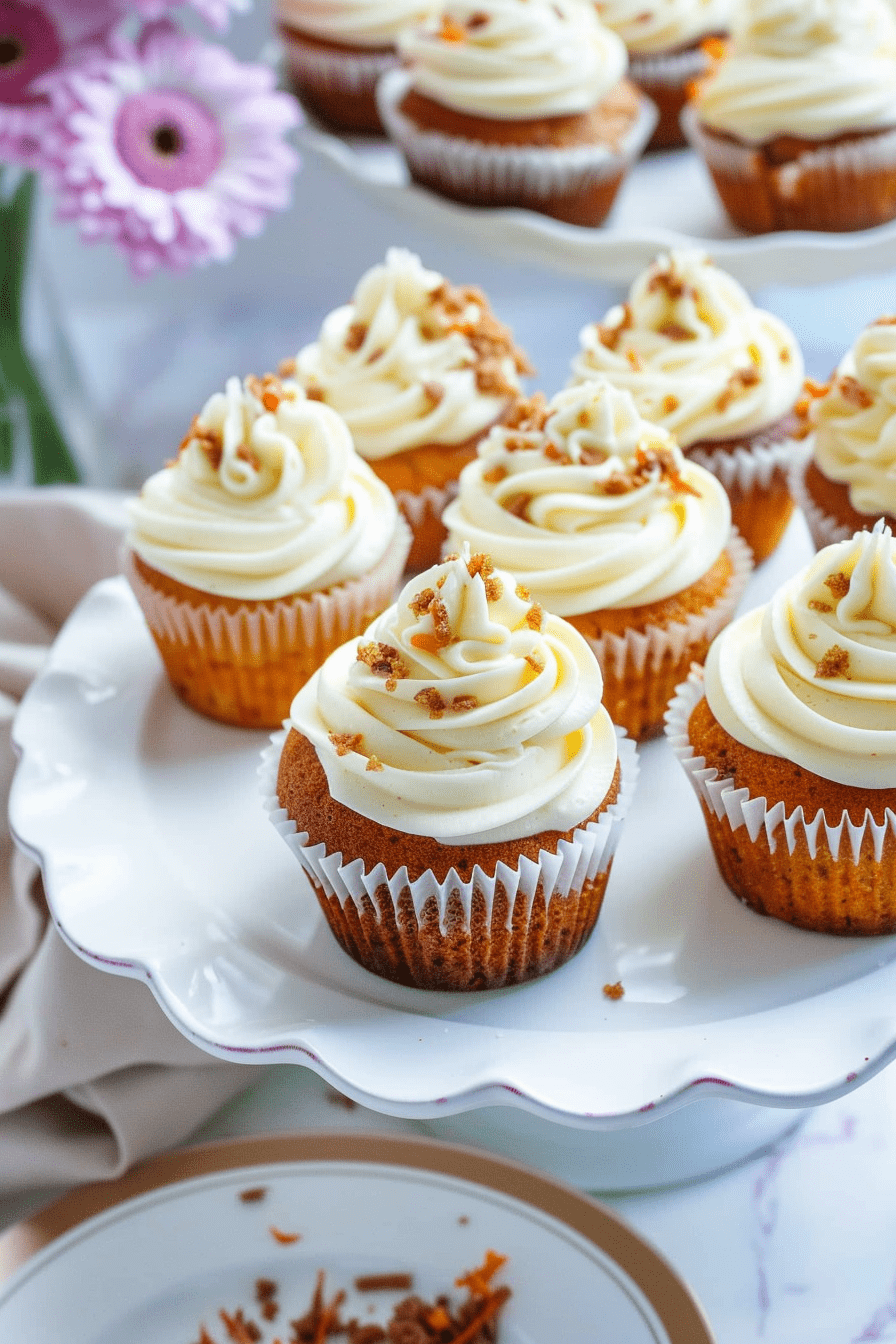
[
  {"x": 259, "y": 549},
  {"x": 453, "y": 787},
  {"x": 604, "y": 522},
  {"x": 790, "y": 744},
  {"x": 420, "y": 370},
  {"x": 518, "y": 103},
  {"x": 666, "y": 52},
  {"x": 797, "y": 124},
  {"x": 720, "y": 374},
  {"x": 336, "y": 52},
  {"x": 849, "y": 480}
]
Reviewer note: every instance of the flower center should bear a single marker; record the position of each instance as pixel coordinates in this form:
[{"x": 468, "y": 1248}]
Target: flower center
[
  {"x": 168, "y": 139},
  {"x": 29, "y": 47}
]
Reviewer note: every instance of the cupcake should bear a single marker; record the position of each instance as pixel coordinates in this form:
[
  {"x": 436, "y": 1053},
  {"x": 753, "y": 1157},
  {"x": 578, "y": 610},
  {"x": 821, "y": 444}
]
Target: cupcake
[
  {"x": 721, "y": 375},
  {"x": 259, "y": 549},
  {"x": 517, "y": 103},
  {"x": 666, "y": 52},
  {"x": 419, "y": 369},
  {"x": 790, "y": 744},
  {"x": 453, "y": 787},
  {"x": 797, "y": 124},
  {"x": 336, "y": 52},
  {"x": 849, "y": 480},
  {"x": 604, "y": 522}
]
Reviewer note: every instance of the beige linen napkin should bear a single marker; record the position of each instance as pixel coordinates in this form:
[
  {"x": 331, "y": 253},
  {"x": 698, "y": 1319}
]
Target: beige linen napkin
[{"x": 93, "y": 1076}]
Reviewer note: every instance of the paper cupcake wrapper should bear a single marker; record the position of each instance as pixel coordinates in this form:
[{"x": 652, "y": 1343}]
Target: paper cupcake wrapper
[
  {"x": 671, "y": 68},
  {"x": 748, "y": 467},
  {"x": 639, "y": 652},
  {"x": 581, "y": 859},
  {"x": 519, "y": 170},
  {"x": 336, "y": 72},
  {"x": 825, "y": 529},
  {"x": 851, "y": 158},
  {"x": 245, "y": 634},
  {"x": 432, "y": 499},
  {"x": 758, "y": 815}
]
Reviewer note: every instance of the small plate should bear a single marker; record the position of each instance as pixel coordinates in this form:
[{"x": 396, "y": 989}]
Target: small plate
[
  {"x": 666, "y": 201},
  {"x": 153, "y": 1256},
  {"x": 160, "y": 863}
]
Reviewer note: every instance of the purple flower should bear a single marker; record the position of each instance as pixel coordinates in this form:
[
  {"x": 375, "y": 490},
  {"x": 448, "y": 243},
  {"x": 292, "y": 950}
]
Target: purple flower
[
  {"x": 171, "y": 149},
  {"x": 37, "y": 39},
  {"x": 215, "y": 12}
]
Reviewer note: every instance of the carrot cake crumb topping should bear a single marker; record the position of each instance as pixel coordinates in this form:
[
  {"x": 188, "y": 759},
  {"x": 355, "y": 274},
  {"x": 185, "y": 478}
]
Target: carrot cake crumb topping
[
  {"x": 430, "y": 698},
  {"x": 535, "y": 661},
  {"x": 815, "y": 605},
  {"x": 851, "y": 390},
  {"x": 523, "y": 593},
  {"x": 614, "y": 991},
  {"x": 383, "y": 661},
  {"x": 254, "y": 1195},
  {"x": 421, "y": 602},
  {"x": 374, "y": 763},
  {"x": 835, "y": 663},
  {"x": 534, "y": 616},
  {"x": 286, "y": 368},
  {"x": 434, "y": 393},
  {"x": 670, "y": 404},
  {"x": 461, "y": 703},
  {"x": 838, "y": 584},
  {"x": 346, "y": 742},
  {"x": 495, "y": 475},
  {"x": 675, "y": 331},
  {"x": 354, "y": 337}
]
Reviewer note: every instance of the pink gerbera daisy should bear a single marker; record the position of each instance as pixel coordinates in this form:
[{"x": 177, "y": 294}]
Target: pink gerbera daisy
[
  {"x": 171, "y": 149},
  {"x": 39, "y": 38}
]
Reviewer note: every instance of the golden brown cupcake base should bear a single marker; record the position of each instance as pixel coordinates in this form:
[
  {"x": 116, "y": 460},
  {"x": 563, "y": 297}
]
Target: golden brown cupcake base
[
  {"x": 760, "y": 511},
  {"x": 247, "y": 680},
  {"x": 519, "y": 940},
  {"x": 786, "y": 188},
  {"x": 832, "y": 497},
  {"x": 341, "y": 107},
  {"x": 606, "y": 124},
  {"x": 826, "y": 894},
  {"x": 410, "y": 473},
  {"x": 637, "y": 700}
]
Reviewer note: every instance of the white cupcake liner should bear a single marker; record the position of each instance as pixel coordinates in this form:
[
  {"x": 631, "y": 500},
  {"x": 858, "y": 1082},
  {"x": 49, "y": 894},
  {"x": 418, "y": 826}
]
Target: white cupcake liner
[
  {"x": 720, "y": 797},
  {"x": 243, "y": 635},
  {"x": 642, "y": 651},
  {"x": 873, "y": 152},
  {"x": 747, "y": 467},
  {"x": 671, "y": 68},
  {"x": 354, "y": 72},
  {"x": 525, "y": 172},
  {"x": 825, "y": 529},
  {"x": 577, "y": 861},
  {"x": 431, "y": 499}
]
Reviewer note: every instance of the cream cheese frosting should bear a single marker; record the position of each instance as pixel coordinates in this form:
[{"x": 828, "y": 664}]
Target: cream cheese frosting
[
  {"x": 590, "y": 505},
  {"x": 515, "y": 59},
  {"x": 667, "y": 26},
  {"x": 695, "y": 353},
  {"x": 355, "y": 23},
  {"x": 812, "y": 676},
  {"x": 267, "y": 498},
  {"x": 465, "y": 712},
  {"x": 813, "y": 68},
  {"x": 855, "y": 422},
  {"x": 412, "y": 360}
]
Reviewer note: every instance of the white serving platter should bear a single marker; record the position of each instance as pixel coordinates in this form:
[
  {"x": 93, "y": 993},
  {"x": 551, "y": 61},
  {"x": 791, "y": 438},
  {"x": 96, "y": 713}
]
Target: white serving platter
[
  {"x": 174, "y": 1243},
  {"x": 668, "y": 200},
  {"x": 160, "y": 863}
]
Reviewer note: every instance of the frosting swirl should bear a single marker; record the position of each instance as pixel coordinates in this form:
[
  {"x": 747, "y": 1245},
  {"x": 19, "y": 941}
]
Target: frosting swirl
[
  {"x": 664, "y": 27},
  {"x": 267, "y": 498},
  {"x": 515, "y": 59},
  {"x": 412, "y": 360},
  {"x": 356, "y": 23},
  {"x": 589, "y": 505},
  {"x": 465, "y": 713},
  {"x": 814, "y": 68},
  {"x": 855, "y": 422},
  {"x": 694, "y": 352},
  {"x": 812, "y": 676}
]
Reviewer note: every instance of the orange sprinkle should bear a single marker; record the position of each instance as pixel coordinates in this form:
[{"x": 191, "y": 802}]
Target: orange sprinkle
[
  {"x": 452, "y": 32},
  {"x": 479, "y": 1280},
  {"x": 438, "y": 1319},
  {"x": 284, "y": 1238}
]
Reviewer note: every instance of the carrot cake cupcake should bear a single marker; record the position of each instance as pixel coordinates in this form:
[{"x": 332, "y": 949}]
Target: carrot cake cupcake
[
  {"x": 790, "y": 743},
  {"x": 849, "y": 480},
  {"x": 720, "y": 374},
  {"x": 453, "y": 786},
  {"x": 518, "y": 103},
  {"x": 604, "y": 522},
  {"x": 260, "y": 548},
  {"x": 797, "y": 124},
  {"x": 419, "y": 369},
  {"x": 336, "y": 50},
  {"x": 666, "y": 52}
]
